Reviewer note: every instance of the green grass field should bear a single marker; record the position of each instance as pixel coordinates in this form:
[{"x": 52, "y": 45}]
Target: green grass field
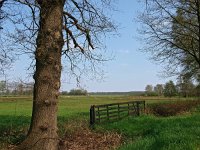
[{"x": 144, "y": 132}]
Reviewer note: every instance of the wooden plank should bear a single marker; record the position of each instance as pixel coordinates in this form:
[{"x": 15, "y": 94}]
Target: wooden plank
[
  {"x": 101, "y": 113},
  {"x": 102, "y": 118},
  {"x": 117, "y": 103},
  {"x": 110, "y": 112},
  {"x": 116, "y": 112},
  {"x": 109, "y": 108},
  {"x": 113, "y": 116},
  {"x": 119, "y": 107},
  {"x": 110, "y": 115},
  {"x": 127, "y": 107}
]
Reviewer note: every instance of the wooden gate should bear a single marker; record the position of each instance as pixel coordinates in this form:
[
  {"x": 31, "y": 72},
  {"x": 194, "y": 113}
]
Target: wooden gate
[{"x": 115, "y": 111}]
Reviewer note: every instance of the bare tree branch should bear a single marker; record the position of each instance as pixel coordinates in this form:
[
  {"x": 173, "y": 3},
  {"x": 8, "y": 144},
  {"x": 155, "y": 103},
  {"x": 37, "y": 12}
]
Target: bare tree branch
[{"x": 172, "y": 34}]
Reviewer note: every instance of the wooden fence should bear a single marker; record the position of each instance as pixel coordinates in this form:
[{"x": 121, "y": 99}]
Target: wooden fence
[{"x": 115, "y": 111}]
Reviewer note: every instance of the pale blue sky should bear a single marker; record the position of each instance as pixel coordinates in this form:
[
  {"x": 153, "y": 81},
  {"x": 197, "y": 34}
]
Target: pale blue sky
[{"x": 130, "y": 70}]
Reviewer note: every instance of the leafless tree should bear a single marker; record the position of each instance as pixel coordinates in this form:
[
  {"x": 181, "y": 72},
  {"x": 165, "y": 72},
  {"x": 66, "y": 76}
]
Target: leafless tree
[
  {"x": 185, "y": 86},
  {"x": 48, "y": 30},
  {"x": 171, "y": 31},
  {"x": 159, "y": 89},
  {"x": 149, "y": 88}
]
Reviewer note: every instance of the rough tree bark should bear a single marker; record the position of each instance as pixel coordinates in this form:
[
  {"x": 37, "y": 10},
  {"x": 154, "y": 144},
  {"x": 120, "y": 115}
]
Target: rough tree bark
[{"x": 43, "y": 131}]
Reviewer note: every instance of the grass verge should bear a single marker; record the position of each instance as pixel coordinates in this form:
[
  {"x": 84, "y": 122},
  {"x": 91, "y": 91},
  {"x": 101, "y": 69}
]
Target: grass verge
[{"x": 149, "y": 132}]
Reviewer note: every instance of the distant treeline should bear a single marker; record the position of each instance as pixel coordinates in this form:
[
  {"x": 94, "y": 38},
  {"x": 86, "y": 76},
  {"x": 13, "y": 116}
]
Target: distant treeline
[
  {"x": 183, "y": 88},
  {"x": 134, "y": 93},
  {"x": 75, "y": 92},
  {"x": 16, "y": 88},
  {"x": 84, "y": 92}
]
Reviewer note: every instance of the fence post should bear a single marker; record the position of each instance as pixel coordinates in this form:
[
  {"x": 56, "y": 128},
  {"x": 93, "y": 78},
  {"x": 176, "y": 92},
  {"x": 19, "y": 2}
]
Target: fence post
[
  {"x": 107, "y": 112},
  {"x": 128, "y": 110},
  {"x": 92, "y": 115},
  {"x": 118, "y": 111},
  {"x": 138, "y": 108},
  {"x": 144, "y": 107}
]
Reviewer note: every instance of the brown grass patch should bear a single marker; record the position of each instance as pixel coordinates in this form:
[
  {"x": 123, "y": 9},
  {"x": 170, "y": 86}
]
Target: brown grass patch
[
  {"x": 78, "y": 136},
  {"x": 85, "y": 139}
]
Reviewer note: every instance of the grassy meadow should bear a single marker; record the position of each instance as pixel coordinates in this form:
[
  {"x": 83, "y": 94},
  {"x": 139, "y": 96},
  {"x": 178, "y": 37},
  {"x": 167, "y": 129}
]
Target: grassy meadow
[{"x": 145, "y": 132}]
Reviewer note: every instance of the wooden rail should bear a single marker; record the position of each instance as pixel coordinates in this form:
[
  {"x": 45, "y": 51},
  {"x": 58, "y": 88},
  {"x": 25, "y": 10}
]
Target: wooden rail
[{"x": 115, "y": 111}]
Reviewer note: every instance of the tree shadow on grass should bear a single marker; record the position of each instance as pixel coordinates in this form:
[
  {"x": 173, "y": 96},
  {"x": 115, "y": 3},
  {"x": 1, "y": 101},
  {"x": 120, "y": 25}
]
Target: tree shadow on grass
[{"x": 13, "y": 129}]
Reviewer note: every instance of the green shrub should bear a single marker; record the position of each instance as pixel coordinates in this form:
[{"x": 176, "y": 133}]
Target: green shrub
[{"x": 171, "y": 109}]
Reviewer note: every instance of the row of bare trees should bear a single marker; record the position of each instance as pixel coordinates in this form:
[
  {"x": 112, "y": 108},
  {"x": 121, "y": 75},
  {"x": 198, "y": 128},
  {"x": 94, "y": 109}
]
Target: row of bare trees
[{"x": 15, "y": 88}]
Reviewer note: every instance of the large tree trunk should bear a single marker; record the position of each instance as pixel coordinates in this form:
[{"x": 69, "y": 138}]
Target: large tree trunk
[{"x": 43, "y": 131}]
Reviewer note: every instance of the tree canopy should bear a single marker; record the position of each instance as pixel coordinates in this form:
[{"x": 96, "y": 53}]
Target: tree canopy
[
  {"x": 172, "y": 35},
  {"x": 85, "y": 23}
]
